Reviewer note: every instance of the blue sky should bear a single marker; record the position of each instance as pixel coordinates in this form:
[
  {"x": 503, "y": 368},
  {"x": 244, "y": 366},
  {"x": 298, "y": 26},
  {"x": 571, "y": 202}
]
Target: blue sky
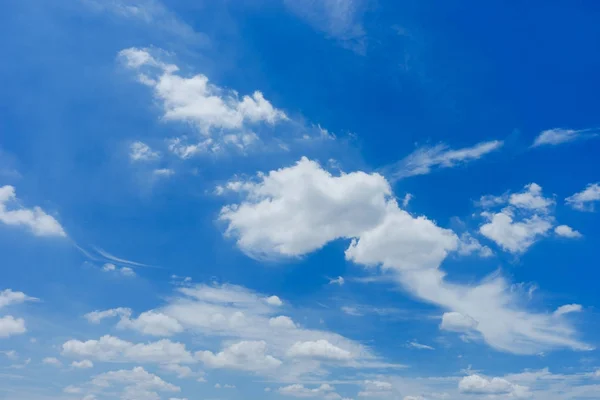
[{"x": 299, "y": 199}]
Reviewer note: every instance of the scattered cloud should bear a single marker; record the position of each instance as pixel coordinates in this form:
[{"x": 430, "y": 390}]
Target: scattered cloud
[
  {"x": 296, "y": 210},
  {"x": 586, "y": 199},
  {"x": 83, "y": 364},
  {"x": 137, "y": 383},
  {"x": 567, "y": 231},
  {"x": 139, "y": 151},
  {"x": 475, "y": 384},
  {"x": 469, "y": 245},
  {"x": 337, "y": 281},
  {"x": 52, "y": 361},
  {"x": 163, "y": 172},
  {"x": 416, "y": 345},
  {"x": 35, "y": 219},
  {"x": 553, "y": 137},
  {"x": 524, "y": 220},
  {"x": 423, "y": 160},
  {"x": 124, "y": 271},
  {"x": 320, "y": 349},
  {"x": 244, "y": 355},
  {"x": 220, "y": 116},
  {"x": 9, "y": 297},
  {"x": 112, "y": 349},
  {"x": 10, "y": 326}
]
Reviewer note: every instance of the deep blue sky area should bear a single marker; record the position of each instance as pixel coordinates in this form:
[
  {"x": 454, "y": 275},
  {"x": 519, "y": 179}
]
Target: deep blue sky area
[{"x": 328, "y": 199}]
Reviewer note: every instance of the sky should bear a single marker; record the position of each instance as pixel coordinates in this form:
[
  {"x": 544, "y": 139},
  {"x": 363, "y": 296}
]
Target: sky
[{"x": 320, "y": 199}]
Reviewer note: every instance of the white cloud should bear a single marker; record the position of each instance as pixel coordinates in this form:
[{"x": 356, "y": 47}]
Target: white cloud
[
  {"x": 338, "y": 19},
  {"x": 469, "y": 245},
  {"x": 72, "y": 389},
  {"x": 373, "y": 388},
  {"x": 423, "y": 160},
  {"x": 83, "y": 364},
  {"x": 137, "y": 382},
  {"x": 556, "y": 136},
  {"x": 219, "y": 114},
  {"x": 337, "y": 281},
  {"x": 224, "y": 386},
  {"x": 35, "y": 219},
  {"x": 9, "y": 297},
  {"x": 124, "y": 271},
  {"x": 475, "y": 384},
  {"x": 416, "y": 345},
  {"x": 97, "y": 316},
  {"x": 163, "y": 172},
  {"x": 531, "y": 199},
  {"x": 347, "y": 204},
  {"x": 320, "y": 349},
  {"x": 112, "y": 349},
  {"x": 151, "y": 323},
  {"x": 52, "y": 361},
  {"x": 282, "y": 322},
  {"x": 244, "y": 355},
  {"x": 298, "y": 390},
  {"x": 274, "y": 301},
  {"x": 586, "y": 199},
  {"x": 139, "y": 151},
  {"x": 568, "y": 308},
  {"x": 296, "y": 210},
  {"x": 182, "y": 371},
  {"x": 567, "y": 231},
  {"x": 457, "y": 322},
  {"x": 10, "y": 326},
  {"x": 522, "y": 222},
  {"x": 406, "y": 200}
]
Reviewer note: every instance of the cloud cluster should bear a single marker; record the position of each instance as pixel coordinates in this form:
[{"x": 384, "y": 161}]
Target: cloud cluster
[{"x": 296, "y": 210}]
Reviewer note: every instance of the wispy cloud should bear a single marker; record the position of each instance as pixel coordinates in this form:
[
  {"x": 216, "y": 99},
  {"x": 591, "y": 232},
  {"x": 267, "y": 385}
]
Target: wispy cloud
[
  {"x": 423, "y": 160},
  {"x": 116, "y": 259},
  {"x": 556, "y": 136}
]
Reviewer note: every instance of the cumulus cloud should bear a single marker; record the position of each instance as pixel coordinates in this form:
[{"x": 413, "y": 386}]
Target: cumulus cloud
[
  {"x": 475, "y": 384},
  {"x": 567, "y": 231},
  {"x": 553, "y": 137},
  {"x": 137, "y": 383},
  {"x": 423, "y": 160},
  {"x": 218, "y": 113},
  {"x": 34, "y": 219},
  {"x": 469, "y": 245},
  {"x": 523, "y": 221},
  {"x": 586, "y": 199},
  {"x": 151, "y": 323},
  {"x": 83, "y": 364},
  {"x": 10, "y": 326},
  {"x": 112, "y": 349},
  {"x": 244, "y": 355},
  {"x": 319, "y": 349},
  {"x": 377, "y": 389},
  {"x": 296, "y": 210},
  {"x": 299, "y": 390},
  {"x": 9, "y": 297}
]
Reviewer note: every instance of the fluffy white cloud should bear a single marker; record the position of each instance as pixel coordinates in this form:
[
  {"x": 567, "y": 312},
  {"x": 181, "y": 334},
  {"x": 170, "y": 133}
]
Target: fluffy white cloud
[
  {"x": 274, "y": 301},
  {"x": 163, "y": 172},
  {"x": 140, "y": 151},
  {"x": 9, "y": 297},
  {"x": 552, "y": 137},
  {"x": 216, "y": 112},
  {"x": 52, "y": 361},
  {"x": 586, "y": 199},
  {"x": 282, "y": 322},
  {"x": 567, "y": 231},
  {"x": 319, "y": 349},
  {"x": 296, "y": 210},
  {"x": 112, "y": 349},
  {"x": 568, "y": 308},
  {"x": 35, "y": 219},
  {"x": 72, "y": 389},
  {"x": 424, "y": 159},
  {"x": 245, "y": 355},
  {"x": 347, "y": 205},
  {"x": 124, "y": 271},
  {"x": 10, "y": 326},
  {"x": 457, "y": 322},
  {"x": 97, "y": 316},
  {"x": 83, "y": 364},
  {"x": 377, "y": 389},
  {"x": 137, "y": 383},
  {"x": 152, "y": 323},
  {"x": 298, "y": 390},
  {"x": 475, "y": 384},
  {"x": 520, "y": 224}
]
